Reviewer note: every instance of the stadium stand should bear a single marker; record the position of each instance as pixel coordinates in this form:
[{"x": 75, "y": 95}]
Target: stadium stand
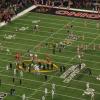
[{"x": 9, "y": 8}]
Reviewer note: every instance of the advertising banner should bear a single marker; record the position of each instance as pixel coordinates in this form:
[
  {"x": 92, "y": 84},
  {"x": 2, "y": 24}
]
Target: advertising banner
[{"x": 66, "y": 12}]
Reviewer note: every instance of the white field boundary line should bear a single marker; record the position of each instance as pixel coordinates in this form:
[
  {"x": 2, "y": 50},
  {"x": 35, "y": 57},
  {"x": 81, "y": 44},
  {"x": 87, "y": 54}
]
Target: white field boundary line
[
  {"x": 48, "y": 84},
  {"x": 42, "y": 91},
  {"x": 60, "y": 23},
  {"x": 42, "y": 32},
  {"x": 19, "y": 15}
]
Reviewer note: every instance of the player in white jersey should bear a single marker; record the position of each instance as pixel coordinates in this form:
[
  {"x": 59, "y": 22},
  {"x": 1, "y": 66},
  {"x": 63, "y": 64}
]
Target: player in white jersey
[
  {"x": 87, "y": 85},
  {"x": 14, "y": 72},
  {"x": 23, "y": 97},
  {"x": 21, "y": 74},
  {"x": 52, "y": 92},
  {"x": 53, "y": 86},
  {"x": 98, "y": 77},
  {"x": 46, "y": 91},
  {"x": 43, "y": 97},
  {"x": 92, "y": 96},
  {"x": 8, "y": 51},
  {"x": 7, "y": 67},
  {"x": 36, "y": 27}
]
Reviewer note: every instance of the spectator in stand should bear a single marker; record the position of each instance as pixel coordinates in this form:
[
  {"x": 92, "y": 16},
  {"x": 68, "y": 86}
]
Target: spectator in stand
[{"x": 9, "y": 8}]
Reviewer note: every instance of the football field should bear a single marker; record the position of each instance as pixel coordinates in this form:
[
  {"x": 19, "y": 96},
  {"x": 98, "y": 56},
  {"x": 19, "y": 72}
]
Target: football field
[{"x": 51, "y": 30}]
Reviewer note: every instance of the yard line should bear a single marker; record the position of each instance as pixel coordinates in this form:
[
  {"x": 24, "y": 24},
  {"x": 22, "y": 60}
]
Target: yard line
[
  {"x": 48, "y": 27},
  {"x": 2, "y": 71},
  {"x": 31, "y": 95},
  {"x": 42, "y": 91},
  {"x": 43, "y": 53},
  {"x": 40, "y": 44},
  {"x": 66, "y": 65},
  {"x": 62, "y": 95},
  {"x": 56, "y": 72},
  {"x": 18, "y": 23},
  {"x": 98, "y": 36},
  {"x": 37, "y": 41},
  {"x": 41, "y": 36},
  {"x": 46, "y": 83},
  {"x": 43, "y": 32},
  {"x": 55, "y": 62},
  {"x": 50, "y": 54},
  {"x": 70, "y": 96},
  {"x": 28, "y": 98},
  {"x": 58, "y": 77},
  {"x": 53, "y": 55}
]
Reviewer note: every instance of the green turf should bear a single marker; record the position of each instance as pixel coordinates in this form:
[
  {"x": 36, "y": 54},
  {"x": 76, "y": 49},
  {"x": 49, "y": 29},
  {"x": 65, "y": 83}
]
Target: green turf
[{"x": 33, "y": 85}]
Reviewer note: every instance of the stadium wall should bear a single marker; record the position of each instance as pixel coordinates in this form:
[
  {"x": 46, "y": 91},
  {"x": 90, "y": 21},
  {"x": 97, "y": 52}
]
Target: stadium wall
[
  {"x": 89, "y": 14},
  {"x": 58, "y": 11}
]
